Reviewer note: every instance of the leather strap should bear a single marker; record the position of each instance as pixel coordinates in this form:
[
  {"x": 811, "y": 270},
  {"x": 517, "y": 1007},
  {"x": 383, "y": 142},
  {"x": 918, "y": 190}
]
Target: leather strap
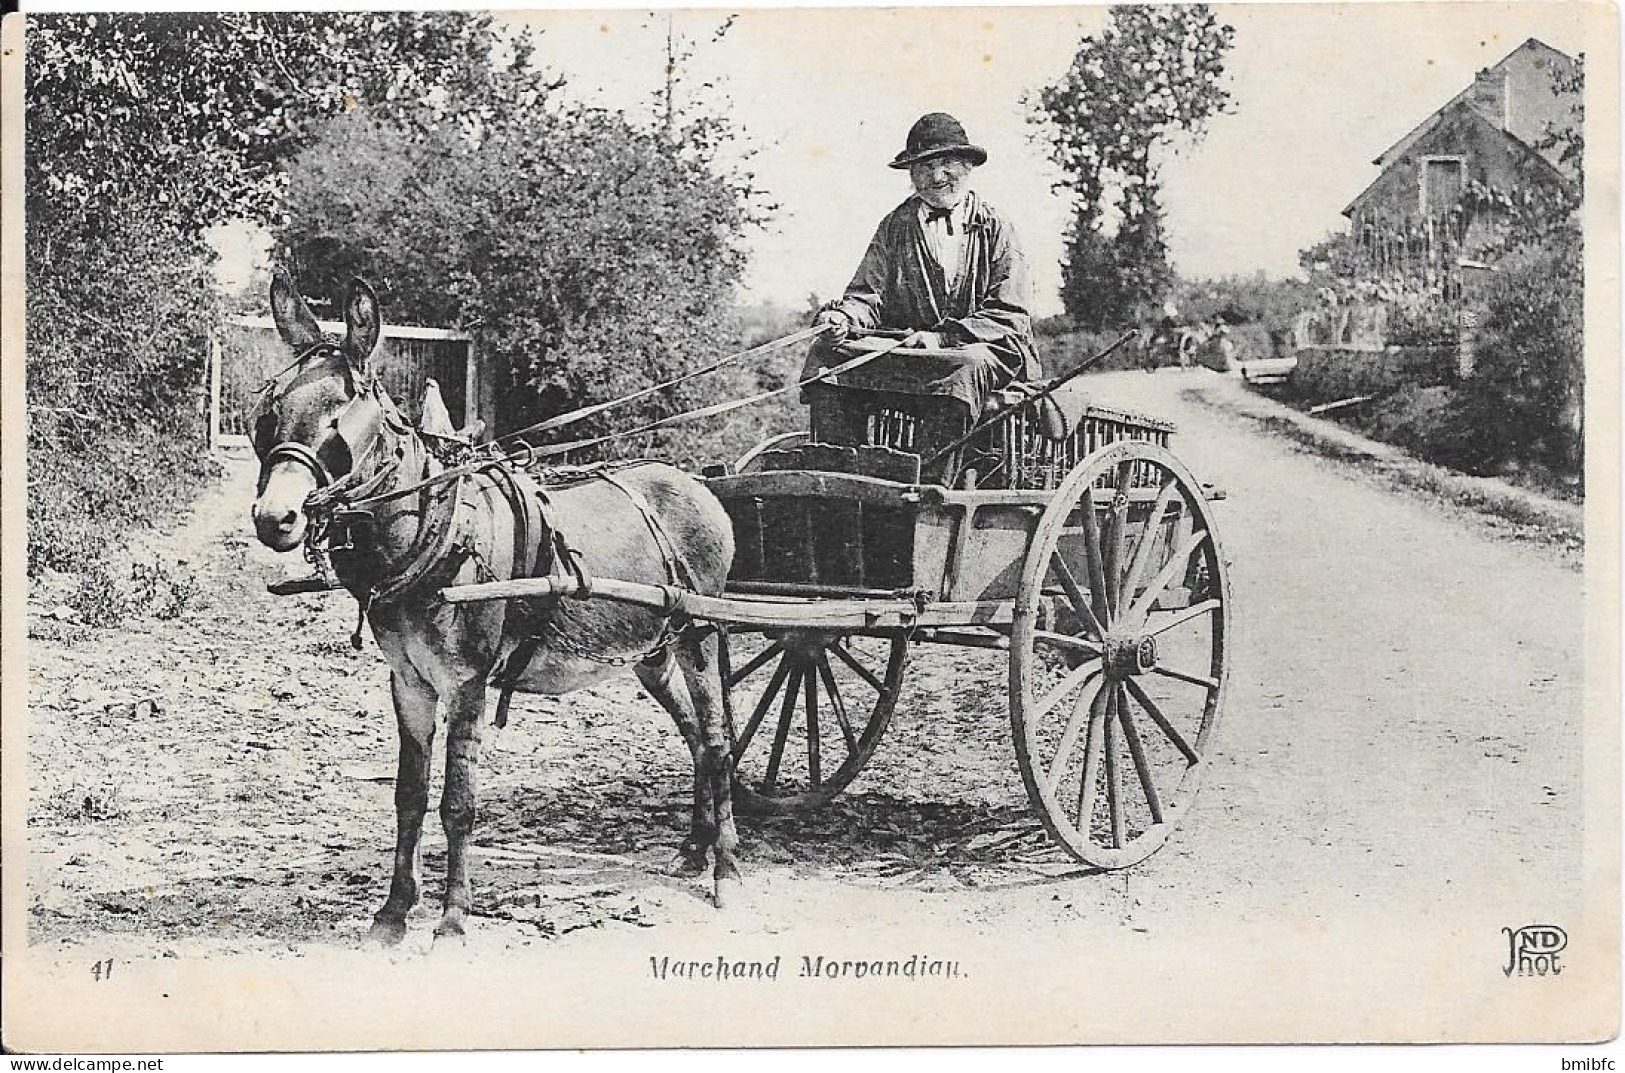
[
  {"x": 290, "y": 451},
  {"x": 677, "y": 568},
  {"x": 530, "y": 531}
]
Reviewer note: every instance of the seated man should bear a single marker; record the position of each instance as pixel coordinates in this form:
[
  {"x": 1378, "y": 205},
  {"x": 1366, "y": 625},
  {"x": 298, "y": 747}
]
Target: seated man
[{"x": 945, "y": 267}]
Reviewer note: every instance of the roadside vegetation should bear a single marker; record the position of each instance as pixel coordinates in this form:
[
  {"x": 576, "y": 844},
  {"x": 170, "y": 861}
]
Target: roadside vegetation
[{"x": 428, "y": 152}]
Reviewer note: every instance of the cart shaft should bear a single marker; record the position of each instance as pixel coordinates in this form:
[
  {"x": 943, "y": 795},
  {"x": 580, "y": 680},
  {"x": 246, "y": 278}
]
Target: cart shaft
[{"x": 831, "y": 614}]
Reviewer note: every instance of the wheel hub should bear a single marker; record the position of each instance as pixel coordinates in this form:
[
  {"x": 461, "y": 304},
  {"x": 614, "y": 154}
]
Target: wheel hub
[
  {"x": 1130, "y": 655},
  {"x": 804, "y": 645}
]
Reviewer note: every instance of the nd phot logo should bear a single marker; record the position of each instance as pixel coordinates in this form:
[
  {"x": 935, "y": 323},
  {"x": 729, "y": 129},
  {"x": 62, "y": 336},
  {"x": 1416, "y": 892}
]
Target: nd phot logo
[{"x": 1532, "y": 949}]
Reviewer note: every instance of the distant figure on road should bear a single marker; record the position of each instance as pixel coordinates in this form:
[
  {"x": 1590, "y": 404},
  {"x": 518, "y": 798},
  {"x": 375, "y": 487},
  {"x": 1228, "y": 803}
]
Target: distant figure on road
[
  {"x": 1163, "y": 348},
  {"x": 945, "y": 267},
  {"x": 1224, "y": 349}
]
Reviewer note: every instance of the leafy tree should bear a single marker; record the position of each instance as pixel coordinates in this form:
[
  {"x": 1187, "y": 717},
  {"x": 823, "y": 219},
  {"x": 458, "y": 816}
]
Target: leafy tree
[
  {"x": 141, "y": 133},
  {"x": 1141, "y": 258},
  {"x": 190, "y": 115},
  {"x": 1568, "y": 137},
  {"x": 1153, "y": 73},
  {"x": 1090, "y": 287},
  {"x": 591, "y": 255}
]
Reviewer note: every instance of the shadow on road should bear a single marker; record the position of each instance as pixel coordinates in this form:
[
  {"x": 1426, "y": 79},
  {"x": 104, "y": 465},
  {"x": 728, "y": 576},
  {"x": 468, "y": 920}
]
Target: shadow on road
[{"x": 572, "y": 858}]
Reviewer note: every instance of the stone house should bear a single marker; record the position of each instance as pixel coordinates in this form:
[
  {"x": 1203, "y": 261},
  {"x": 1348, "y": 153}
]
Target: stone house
[
  {"x": 1429, "y": 202},
  {"x": 1423, "y": 234}
]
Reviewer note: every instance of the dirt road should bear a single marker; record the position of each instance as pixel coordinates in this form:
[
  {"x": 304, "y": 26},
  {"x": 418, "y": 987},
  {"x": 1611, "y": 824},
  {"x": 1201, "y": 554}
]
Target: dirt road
[{"x": 1403, "y": 735}]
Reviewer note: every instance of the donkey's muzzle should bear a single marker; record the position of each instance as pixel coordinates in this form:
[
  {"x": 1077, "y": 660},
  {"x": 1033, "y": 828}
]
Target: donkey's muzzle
[{"x": 279, "y": 530}]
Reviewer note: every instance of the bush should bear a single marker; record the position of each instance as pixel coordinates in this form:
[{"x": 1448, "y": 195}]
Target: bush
[
  {"x": 143, "y": 131},
  {"x": 1426, "y": 421},
  {"x": 118, "y": 322},
  {"x": 1525, "y": 395},
  {"x": 1422, "y": 324},
  {"x": 1064, "y": 351},
  {"x": 723, "y": 439},
  {"x": 1238, "y": 300},
  {"x": 104, "y": 596},
  {"x": 1326, "y": 374},
  {"x": 592, "y": 256}
]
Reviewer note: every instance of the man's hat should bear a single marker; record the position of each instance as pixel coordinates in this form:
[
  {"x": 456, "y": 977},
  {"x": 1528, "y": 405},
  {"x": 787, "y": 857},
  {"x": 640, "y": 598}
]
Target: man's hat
[{"x": 937, "y": 134}]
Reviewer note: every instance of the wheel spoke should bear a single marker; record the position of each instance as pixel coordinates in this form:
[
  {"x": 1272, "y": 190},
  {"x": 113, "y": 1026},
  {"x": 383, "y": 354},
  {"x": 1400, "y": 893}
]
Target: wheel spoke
[
  {"x": 1193, "y": 611},
  {"x": 1074, "y": 593},
  {"x": 1067, "y": 640},
  {"x": 833, "y": 691},
  {"x": 1091, "y": 545},
  {"x": 1161, "y": 720},
  {"x": 763, "y": 702},
  {"x": 1069, "y": 737},
  {"x": 786, "y": 710},
  {"x": 1176, "y": 562},
  {"x": 1137, "y": 751},
  {"x": 753, "y": 666},
  {"x": 810, "y": 680},
  {"x": 1114, "y": 778},
  {"x": 859, "y": 669},
  {"x": 1148, "y": 537},
  {"x": 1076, "y": 677},
  {"x": 1088, "y": 788},
  {"x": 1186, "y": 676},
  {"x": 1116, "y": 532}
]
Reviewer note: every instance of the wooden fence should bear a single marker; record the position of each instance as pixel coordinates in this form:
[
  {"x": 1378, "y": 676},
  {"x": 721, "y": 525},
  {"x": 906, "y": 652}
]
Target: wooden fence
[{"x": 250, "y": 351}]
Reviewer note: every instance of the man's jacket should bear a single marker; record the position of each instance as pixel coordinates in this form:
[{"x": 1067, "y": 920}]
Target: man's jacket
[{"x": 899, "y": 285}]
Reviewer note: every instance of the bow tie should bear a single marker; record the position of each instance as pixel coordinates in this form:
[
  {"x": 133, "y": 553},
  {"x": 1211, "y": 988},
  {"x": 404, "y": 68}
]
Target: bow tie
[{"x": 946, "y": 215}]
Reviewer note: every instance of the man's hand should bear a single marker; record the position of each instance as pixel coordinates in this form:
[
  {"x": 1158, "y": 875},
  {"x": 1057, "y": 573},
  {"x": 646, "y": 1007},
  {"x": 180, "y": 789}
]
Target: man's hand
[
  {"x": 835, "y": 324},
  {"x": 924, "y": 340}
]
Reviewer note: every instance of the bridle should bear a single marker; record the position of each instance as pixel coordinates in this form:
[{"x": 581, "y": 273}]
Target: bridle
[
  {"x": 366, "y": 433},
  {"x": 362, "y": 419}
]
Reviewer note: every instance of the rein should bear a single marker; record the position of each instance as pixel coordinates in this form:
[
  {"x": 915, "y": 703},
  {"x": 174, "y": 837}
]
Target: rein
[
  {"x": 554, "y": 449},
  {"x": 531, "y": 453},
  {"x": 585, "y": 412},
  {"x": 358, "y": 490}
]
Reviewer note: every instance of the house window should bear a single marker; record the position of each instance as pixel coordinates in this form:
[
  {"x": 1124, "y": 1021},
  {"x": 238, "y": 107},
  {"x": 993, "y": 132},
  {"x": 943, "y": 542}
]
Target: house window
[{"x": 1443, "y": 180}]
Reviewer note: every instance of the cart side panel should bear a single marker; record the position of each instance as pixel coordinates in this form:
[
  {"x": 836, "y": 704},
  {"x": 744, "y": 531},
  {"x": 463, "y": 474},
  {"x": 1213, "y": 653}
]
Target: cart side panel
[
  {"x": 816, "y": 539},
  {"x": 745, "y": 512},
  {"x": 970, "y": 546},
  {"x": 840, "y": 531}
]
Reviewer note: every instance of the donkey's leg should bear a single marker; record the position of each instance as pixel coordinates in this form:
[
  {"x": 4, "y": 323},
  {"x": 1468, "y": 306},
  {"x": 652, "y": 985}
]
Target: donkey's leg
[
  {"x": 698, "y": 660},
  {"x": 415, "y": 720},
  {"x": 464, "y": 707},
  {"x": 666, "y": 684}
]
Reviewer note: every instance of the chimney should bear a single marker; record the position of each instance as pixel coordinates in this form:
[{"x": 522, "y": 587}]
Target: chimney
[{"x": 1489, "y": 96}]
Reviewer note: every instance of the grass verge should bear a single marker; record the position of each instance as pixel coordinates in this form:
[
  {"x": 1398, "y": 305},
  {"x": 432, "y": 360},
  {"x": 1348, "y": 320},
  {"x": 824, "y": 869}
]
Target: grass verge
[{"x": 1532, "y": 516}]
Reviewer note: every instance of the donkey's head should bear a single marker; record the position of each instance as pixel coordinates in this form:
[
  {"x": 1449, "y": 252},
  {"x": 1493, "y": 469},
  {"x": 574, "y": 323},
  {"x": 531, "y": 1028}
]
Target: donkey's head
[{"x": 319, "y": 414}]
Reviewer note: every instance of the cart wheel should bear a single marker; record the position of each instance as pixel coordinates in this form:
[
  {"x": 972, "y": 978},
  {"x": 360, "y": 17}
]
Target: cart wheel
[
  {"x": 805, "y": 710},
  {"x": 1117, "y": 653}
]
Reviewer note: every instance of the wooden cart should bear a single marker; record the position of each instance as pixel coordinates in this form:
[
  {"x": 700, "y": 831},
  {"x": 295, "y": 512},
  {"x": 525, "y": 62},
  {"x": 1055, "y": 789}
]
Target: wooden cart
[{"x": 1075, "y": 541}]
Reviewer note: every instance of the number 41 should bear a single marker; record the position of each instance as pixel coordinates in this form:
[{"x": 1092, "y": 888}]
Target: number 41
[{"x": 102, "y": 970}]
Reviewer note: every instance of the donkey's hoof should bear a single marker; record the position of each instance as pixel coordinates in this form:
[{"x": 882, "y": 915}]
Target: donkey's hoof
[
  {"x": 385, "y": 932},
  {"x": 451, "y": 927},
  {"x": 729, "y": 892}
]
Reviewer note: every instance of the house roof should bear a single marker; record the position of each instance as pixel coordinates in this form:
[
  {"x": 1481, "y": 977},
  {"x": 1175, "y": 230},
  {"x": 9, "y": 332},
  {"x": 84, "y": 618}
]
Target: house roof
[
  {"x": 1463, "y": 109},
  {"x": 1533, "y": 55}
]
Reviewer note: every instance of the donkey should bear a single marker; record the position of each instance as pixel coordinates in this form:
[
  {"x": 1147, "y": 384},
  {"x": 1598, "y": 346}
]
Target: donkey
[{"x": 328, "y": 436}]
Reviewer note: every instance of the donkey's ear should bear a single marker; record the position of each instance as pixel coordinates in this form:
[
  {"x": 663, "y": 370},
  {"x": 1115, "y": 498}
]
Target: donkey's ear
[
  {"x": 293, "y": 320},
  {"x": 361, "y": 321}
]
